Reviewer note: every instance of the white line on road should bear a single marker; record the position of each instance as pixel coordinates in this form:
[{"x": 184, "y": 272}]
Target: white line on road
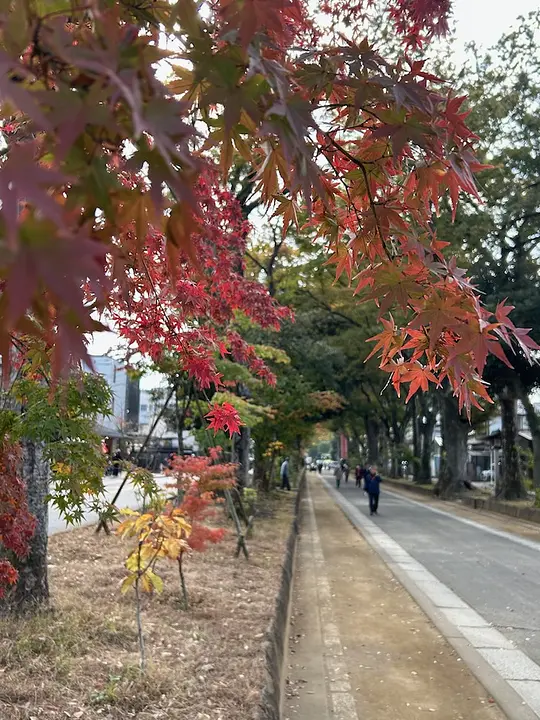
[
  {"x": 479, "y": 526},
  {"x": 506, "y": 672}
]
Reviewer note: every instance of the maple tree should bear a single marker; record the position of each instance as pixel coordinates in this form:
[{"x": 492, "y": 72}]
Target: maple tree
[
  {"x": 49, "y": 453},
  {"x": 197, "y": 480},
  {"x": 167, "y": 529},
  {"x": 367, "y": 145},
  {"x": 161, "y": 532}
]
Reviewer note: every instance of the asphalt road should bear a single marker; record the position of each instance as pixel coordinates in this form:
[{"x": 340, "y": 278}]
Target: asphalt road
[
  {"x": 127, "y": 498},
  {"x": 498, "y": 576}
]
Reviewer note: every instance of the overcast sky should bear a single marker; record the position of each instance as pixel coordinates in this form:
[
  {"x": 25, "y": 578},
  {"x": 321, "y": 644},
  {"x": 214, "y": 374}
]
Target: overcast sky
[{"x": 483, "y": 21}]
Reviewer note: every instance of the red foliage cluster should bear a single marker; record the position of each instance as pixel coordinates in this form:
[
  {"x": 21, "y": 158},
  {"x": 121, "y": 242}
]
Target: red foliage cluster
[
  {"x": 17, "y": 525},
  {"x": 164, "y": 303},
  {"x": 199, "y": 479},
  {"x": 365, "y": 145}
]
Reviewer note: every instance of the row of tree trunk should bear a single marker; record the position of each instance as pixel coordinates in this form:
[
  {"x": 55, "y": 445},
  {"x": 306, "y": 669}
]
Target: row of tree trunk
[{"x": 385, "y": 446}]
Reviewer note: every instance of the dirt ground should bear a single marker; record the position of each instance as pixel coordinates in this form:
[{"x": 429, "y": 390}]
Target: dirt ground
[
  {"x": 391, "y": 661},
  {"x": 80, "y": 659}
]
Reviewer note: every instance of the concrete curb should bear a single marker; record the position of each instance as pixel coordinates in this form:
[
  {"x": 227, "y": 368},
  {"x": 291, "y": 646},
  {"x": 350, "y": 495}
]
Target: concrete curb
[
  {"x": 476, "y": 642},
  {"x": 276, "y": 635}
]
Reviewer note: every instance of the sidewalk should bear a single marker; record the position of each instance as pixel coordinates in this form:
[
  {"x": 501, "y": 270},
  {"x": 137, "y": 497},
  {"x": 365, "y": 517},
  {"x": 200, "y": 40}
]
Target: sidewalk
[{"x": 360, "y": 647}]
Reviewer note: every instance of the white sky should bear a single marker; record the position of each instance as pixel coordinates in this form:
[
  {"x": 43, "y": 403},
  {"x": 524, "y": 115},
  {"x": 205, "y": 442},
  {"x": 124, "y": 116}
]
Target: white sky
[{"x": 483, "y": 21}]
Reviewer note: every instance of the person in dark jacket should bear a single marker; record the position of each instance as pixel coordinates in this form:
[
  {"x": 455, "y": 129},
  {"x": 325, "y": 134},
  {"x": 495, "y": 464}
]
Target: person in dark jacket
[
  {"x": 373, "y": 489},
  {"x": 360, "y": 473},
  {"x": 117, "y": 462}
]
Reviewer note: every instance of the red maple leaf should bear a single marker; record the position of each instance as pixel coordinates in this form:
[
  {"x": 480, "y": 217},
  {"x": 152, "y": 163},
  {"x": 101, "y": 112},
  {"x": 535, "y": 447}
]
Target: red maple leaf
[{"x": 224, "y": 417}]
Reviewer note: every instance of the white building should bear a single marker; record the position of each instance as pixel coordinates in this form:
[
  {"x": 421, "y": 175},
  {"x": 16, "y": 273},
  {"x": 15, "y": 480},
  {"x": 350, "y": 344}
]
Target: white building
[
  {"x": 149, "y": 410},
  {"x": 124, "y": 417}
]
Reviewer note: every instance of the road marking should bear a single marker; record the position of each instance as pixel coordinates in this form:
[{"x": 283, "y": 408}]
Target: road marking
[
  {"x": 343, "y": 704},
  {"x": 521, "y": 674},
  {"x": 479, "y": 526}
]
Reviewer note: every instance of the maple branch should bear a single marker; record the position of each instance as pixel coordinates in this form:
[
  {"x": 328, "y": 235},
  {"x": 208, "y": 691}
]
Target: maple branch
[
  {"x": 329, "y": 308},
  {"x": 257, "y": 262},
  {"x": 372, "y": 203}
]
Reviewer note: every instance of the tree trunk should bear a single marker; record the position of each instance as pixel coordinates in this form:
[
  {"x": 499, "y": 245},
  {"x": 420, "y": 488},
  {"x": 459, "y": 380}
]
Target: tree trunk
[
  {"x": 372, "y": 434},
  {"x": 426, "y": 433},
  {"x": 511, "y": 485},
  {"x": 533, "y": 421},
  {"x": 32, "y": 588},
  {"x": 455, "y": 433},
  {"x": 180, "y": 418},
  {"x": 242, "y": 454},
  {"x": 261, "y": 477},
  {"x": 416, "y": 443}
]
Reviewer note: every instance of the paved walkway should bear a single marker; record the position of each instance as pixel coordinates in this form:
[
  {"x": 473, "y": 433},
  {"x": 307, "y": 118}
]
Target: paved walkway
[
  {"x": 477, "y": 582},
  {"x": 360, "y": 647}
]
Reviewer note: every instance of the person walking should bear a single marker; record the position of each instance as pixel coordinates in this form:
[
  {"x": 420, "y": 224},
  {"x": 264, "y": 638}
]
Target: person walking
[
  {"x": 117, "y": 461},
  {"x": 284, "y": 475},
  {"x": 320, "y": 467},
  {"x": 373, "y": 488},
  {"x": 337, "y": 474},
  {"x": 360, "y": 473},
  {"x": 344, "y": 469}
]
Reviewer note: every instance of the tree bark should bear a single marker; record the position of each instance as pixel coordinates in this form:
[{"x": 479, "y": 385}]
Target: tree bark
[
  {"x": 180, "y": 418},
  {"x": 426, "y": 434},
  {"x": 32, "y": 589},
  {"x": 455, "y": 432},
  {"x": 372, "y": 434},
  {"x": 511, "y": 485},
  {"x": 261, "y": 476},
  {"x": 242, "y": 454},
  {"x": 533, "y": 421},
  {"x": 416, "y": 443}
]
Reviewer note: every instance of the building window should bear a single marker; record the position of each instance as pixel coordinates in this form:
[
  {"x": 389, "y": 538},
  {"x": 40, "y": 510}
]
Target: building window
[{"x": 144, "y": 408}]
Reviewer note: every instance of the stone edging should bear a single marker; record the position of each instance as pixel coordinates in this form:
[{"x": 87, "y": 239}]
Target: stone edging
[
  {"x": 530, "y": 514},
  {"x": 276, "y": 636}
]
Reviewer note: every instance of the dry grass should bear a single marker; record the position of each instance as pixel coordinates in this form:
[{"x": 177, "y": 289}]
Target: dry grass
[{"x": 80, "y": 659}]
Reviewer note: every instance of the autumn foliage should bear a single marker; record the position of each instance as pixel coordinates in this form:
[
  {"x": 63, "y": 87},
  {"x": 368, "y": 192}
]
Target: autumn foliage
[
  {"x": 366, "y": 147},
  {"x": 198, "y": 479},
  {"x": 16, "y": 523},
  {"x": 167, "y": 304}
]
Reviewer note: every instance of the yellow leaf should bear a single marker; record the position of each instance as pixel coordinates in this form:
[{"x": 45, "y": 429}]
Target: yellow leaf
[
  {"x": 146, "y": 585},
  {"x": 127, "y": 582},
  {"x": 155, "y": 581}
]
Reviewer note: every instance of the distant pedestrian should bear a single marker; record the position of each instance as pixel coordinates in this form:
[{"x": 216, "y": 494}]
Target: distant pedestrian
[
  {"x": 284, "y": 475},
  {"x": 373, "y": 488},
  {"x": 360, "y": 473},
  {"x": 345, "y": 469},
  {"x": 338, "y": 472},
  {"x": 320, "y": 467},
  {"x": 117, "y": 461}
]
